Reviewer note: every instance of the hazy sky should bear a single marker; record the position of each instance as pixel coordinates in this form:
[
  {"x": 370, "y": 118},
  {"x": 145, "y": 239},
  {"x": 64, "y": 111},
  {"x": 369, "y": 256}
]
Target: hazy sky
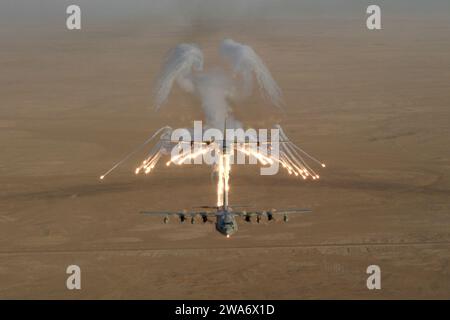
[{"x": 42, "y": 11}]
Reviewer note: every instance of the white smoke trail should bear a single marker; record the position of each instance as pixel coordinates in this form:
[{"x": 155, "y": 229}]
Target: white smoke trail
[
  {"x": 246, "y": 62},
  {"x": 184, "y": 65},
  {"x": 178, "y": 67}
]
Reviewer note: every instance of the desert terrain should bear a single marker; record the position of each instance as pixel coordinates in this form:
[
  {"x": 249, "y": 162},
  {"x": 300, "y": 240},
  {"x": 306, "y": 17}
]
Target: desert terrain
[{"x": 375, "y": 106}]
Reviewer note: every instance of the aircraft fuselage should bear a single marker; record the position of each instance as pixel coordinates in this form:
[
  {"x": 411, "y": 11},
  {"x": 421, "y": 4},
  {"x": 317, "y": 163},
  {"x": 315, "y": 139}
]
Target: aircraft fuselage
[{"x": 226, "y": 222}]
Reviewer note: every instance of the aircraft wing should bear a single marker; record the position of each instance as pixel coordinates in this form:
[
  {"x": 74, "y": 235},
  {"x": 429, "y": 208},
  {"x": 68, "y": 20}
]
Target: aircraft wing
[
  {"x": 161, "y": 213},
  {"x": 187, "y": 213},
  {"x": 270, "y": 214},
  {"x": 278, "y": 211},
  {"x": 182, "y": 216},
  {"x": 291, "y": 211}
]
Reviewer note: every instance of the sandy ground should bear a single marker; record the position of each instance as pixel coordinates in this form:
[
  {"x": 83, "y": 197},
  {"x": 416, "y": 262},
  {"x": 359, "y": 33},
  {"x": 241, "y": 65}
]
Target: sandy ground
[{"x": 373, "y": 105}]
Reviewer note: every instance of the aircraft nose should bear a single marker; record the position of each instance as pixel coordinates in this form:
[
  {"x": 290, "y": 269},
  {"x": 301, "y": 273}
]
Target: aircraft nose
[{"x": 229, "y": 232}]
